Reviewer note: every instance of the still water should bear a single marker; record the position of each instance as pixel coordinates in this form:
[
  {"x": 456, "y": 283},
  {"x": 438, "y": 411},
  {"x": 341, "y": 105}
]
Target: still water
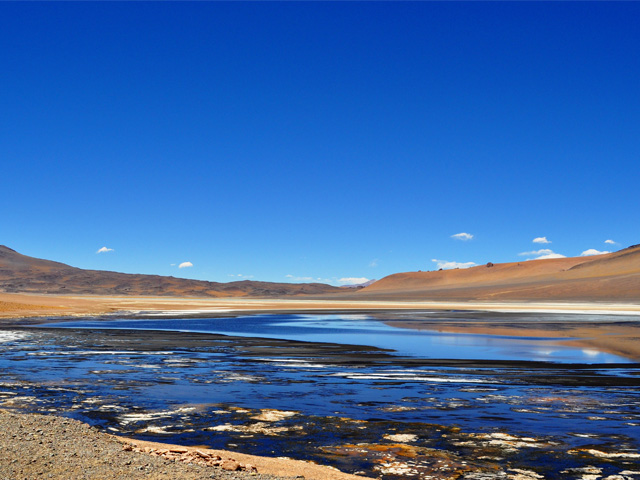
[
  {"x": 363, "y": 330},
  {"x": 327, "y": 388}
]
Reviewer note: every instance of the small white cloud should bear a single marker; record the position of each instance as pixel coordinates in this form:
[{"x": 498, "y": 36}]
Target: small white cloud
[
  {"x": 542, "y": 251},
  {"x": 610, "y": 242},
  {"x": 105, "y": 250},
  {"x": 550, "y": 255},
  {"x": 462, "y": 236},
  {"x": 541, "y": 240},
  {"x": 592, "y": 251},
  {"x": 447, "y": 265},
  {"x": 353, "y": 280},
  {"x": 373, "y": 263},
  {"x": 185, "y": 265},
  {"x": 240, "y": 275}
]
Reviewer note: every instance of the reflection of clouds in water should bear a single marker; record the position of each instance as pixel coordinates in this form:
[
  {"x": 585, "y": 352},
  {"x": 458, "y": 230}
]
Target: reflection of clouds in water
[
  {"x": 404, "y": 378},
  {"x": 590, "y": 353},
  {"x": 546, "y": 352}
]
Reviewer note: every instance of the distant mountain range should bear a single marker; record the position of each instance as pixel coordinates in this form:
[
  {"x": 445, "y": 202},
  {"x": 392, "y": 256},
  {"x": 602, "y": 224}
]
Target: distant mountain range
[
  {"x": 613, "y": 277},
  {"x": 23, "y": 274},
  {"x": 360, "y": 285}
]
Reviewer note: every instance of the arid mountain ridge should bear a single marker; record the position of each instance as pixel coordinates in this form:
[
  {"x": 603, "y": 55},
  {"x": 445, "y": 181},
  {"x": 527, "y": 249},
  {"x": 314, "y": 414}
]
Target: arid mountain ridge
[
  {"x": 613, "y": 277},
  {"x": 609, "y": 277},
  {"x": 22, "y": 274}
]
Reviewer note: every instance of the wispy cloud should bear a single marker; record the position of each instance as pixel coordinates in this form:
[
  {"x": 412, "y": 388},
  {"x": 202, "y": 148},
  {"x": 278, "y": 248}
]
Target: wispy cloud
[
  {"x": 549, "y": 255},
  {"x": 592, "y": 251},
  {"x": 542, "y": 251},
  {"x": 352, "y": 280},
  {"x": 185, "y": 265},
  {"x": 105, "y": 250},
  {"x": 374, "y": 262},
  {"x": 240, "y": 275},
  {"x": 462, "y": 236},
  {"x": 295, "y": 278},
  {"x": 610, "y": 242},
  {"x": 541, "y": 240},
  {"x": 447, "y": 265},
  {"x": 542, "y": 254},
  {"x": 299, "y": 279}
]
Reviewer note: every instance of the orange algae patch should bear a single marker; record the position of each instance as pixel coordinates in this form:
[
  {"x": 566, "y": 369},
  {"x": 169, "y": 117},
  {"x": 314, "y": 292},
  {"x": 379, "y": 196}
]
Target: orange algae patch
[{"x": 406, "y": 460}]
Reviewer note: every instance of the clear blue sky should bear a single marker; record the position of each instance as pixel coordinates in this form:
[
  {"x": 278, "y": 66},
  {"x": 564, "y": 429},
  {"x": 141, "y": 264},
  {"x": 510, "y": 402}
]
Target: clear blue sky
[{"x": 281, "y": 141}]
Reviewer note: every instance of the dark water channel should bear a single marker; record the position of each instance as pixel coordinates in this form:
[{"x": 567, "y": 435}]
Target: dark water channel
[{"x": 327, "y": 388}]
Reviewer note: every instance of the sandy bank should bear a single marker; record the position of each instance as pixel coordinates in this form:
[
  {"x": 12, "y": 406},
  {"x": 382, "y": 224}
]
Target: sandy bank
[{"x": 13, "y": 305}]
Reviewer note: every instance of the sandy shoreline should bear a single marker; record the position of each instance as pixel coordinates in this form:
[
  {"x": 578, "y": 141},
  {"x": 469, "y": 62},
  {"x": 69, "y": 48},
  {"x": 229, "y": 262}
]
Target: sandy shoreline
[{"x": 14, "y": 305}]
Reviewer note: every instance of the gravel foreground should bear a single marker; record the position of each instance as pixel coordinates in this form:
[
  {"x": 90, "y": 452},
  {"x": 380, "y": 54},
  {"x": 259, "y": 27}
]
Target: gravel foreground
[{"x": 42, "y": 447}]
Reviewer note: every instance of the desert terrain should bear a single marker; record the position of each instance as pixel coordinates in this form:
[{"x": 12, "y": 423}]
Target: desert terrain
[
  {"x": 613, "y": 278},
  {"x": 34, "y": 291}
]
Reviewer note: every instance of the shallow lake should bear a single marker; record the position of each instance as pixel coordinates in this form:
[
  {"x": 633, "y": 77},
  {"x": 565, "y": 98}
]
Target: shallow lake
[
  {"x": 363, "y": 330},
  {"x": 321, "y": 387}
]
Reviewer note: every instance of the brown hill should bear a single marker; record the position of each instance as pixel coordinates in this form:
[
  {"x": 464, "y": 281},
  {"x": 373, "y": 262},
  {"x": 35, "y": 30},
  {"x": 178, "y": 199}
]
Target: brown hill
[
  {"x": 610, "y": 277},
  {"x": 23, "y": 274}
]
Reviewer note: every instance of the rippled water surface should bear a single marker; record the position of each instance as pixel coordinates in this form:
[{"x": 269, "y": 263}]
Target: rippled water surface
[{"x": 439, "y": 406}]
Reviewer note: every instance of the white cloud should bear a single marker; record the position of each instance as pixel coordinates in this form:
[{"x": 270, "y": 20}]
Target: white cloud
[
  {"x": 541, "y": 240},
  {"x": 185, "y": 265},
  {"x": 542, "y": 254},
  {"x": 542, "y": 251},
  {"x": 462, "y": 236},
  {"x": 240, "y": 275},
  {"x": 353, "y": 280},
  {"x": 550, "y": 255},
  {"x": 592, "y": 251},
  {"x": 299, "y": 279},
  {"x": 373, "y": 263},
  {"x": 105, "y": 250},
  {"x": 447, "y": 265},
  {"x": 611, "y": 242}
]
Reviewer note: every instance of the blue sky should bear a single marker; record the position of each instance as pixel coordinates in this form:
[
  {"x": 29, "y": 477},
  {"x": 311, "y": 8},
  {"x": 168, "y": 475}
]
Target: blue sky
[{"x": 317, "y": 140}]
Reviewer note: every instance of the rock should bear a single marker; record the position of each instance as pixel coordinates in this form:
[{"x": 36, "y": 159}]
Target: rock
[{"x": 230, "y": 465}]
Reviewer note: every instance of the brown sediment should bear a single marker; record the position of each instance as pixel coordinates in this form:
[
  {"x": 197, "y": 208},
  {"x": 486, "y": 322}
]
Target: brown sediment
[{"x": 266, "y": 465}]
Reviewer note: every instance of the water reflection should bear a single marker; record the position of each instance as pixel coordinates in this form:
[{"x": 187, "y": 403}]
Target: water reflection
[{"x": 365, "y": 330}]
